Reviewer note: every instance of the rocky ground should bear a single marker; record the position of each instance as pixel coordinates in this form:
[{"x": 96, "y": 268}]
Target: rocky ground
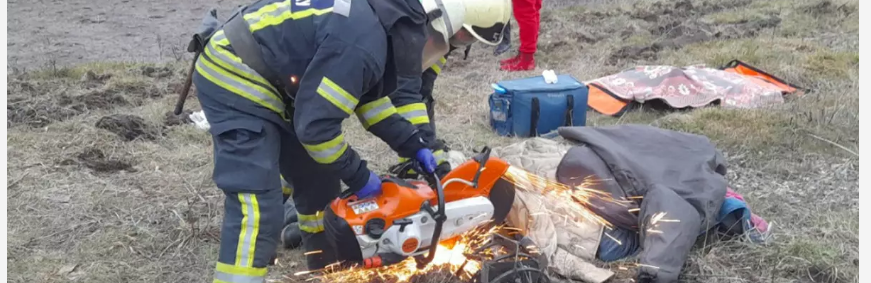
[{"x": 104, "y": 186}]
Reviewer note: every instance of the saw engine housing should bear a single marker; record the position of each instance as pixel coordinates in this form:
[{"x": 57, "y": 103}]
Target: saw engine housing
[{"x": 410, "y": 218}]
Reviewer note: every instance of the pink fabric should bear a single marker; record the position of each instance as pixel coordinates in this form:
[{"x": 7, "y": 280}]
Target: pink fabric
[
  {"x": 759, "y": 223},
  {"x": 732, "y": 194}
]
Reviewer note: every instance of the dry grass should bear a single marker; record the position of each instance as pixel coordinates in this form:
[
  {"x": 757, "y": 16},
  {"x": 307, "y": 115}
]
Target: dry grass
[{"x": 85, "y": 205}]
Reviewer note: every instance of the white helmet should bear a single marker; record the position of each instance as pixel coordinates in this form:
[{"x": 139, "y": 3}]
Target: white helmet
[{"x": 484, "y": 20}]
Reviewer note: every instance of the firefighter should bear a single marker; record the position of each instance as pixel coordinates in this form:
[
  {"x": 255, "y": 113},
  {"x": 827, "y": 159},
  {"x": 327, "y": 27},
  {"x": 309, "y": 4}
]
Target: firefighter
[
  {"x": 275, "y": 83},
  {"x": 467, "y": 22},
  {"x": 470, "y": 21}
]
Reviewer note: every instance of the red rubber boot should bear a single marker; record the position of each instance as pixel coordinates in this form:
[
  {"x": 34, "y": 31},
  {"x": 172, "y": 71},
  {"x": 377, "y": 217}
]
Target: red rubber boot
[
  {"x": 525, "y": 62},
  {"x": 510, "y": 61}
]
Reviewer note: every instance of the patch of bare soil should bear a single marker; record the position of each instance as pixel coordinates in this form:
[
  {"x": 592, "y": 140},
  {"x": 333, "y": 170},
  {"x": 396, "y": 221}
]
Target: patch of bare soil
[
  {"x": 827, "y": 8},
  {"x": 675, "y": 24},
  {"x": 96, "y": 160},
  {"x": 128, "y": 127}
]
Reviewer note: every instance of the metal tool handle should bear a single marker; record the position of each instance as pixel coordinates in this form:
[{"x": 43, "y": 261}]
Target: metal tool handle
[
  {"x": 439, "y": 217},
  {"x": 182, "y": 97}
]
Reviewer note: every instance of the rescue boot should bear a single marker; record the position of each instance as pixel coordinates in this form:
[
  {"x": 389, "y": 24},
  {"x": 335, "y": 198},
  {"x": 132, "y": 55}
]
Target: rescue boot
[
  {"x": 509, "y": 61},
  {"x": 525, "y": 62},
  {"x": 291, "y": 236},
  {"x": 505, "y": 44}
]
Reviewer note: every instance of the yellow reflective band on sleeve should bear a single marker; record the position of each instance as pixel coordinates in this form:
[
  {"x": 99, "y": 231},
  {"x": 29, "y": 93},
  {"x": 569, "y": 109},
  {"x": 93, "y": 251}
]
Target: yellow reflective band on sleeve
[
  {"x": 327, "y": 152},
  {"x": 286, "y": 188},
  {"x": 440, "y": 156},
  {"x": 237, "y": 274},
  {"x": 238, "y": 85},
  {"x": 437, "y": 67},
  {"x": 403, "y": 159},
  {"x": 311, "y": 223},
  {"x": 376, "y": 111},
  {"x": 414, "y": 113},
  {"x": 277, "y": 13},
  {"x": 249, "y": 230},
  {"x": 332, "y": 92}
]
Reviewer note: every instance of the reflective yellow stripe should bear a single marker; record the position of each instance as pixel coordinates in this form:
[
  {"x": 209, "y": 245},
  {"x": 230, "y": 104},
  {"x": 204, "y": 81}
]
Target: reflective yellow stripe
[
  {"x": 277, "y": 13},
  {"x": 373, "y": 112},
  {"x": 437, "y": 67},
  {"x": 414, "y": 113},
  {"x": 403, "y": 159},
  {"x": 238, "y": 85},
  {"x": 311, "y": 223},
  {"x": 337, "y": 95},
  {"x": 440, "y": 156},
  {"x": 327, "y": 152},
  {"x": 237, "y": 274},
  {"x": 249, "y": 230},
  {"x": 286, "y": 188},
  {"x": 230, "y": 61}
]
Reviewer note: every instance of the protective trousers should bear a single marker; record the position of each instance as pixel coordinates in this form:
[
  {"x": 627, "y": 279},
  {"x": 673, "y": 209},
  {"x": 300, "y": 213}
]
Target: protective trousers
[
  {"x": 251, "y": 154},
  {"x": 527, "y": 14}
]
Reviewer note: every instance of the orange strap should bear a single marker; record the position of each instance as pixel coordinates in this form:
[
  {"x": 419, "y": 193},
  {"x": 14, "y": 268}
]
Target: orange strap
[
  {"x": 602, "y": 101},
  {"x": 736, "y": 66}
]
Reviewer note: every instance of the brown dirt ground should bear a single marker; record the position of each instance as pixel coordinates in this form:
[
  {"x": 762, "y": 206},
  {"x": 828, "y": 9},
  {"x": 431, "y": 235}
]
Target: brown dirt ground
[{"x": 135, "y": 203}]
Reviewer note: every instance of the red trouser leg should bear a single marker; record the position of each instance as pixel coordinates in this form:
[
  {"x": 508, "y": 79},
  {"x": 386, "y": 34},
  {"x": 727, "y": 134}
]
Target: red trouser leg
[{"x": 526, "y": 12}]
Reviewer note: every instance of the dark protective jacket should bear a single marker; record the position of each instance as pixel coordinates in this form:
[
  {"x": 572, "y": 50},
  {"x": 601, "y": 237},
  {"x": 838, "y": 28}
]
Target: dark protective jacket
[
  {"x": 678, "y": 176},
  {"x": 415, "y": 101},
  {"x": 346, "y": 57}
]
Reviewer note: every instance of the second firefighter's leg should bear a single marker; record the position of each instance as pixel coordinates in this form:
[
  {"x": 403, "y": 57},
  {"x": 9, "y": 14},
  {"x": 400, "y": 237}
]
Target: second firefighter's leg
[
  {"x": 249, "y": 233},
  {"x": 313, "y": 189},
  {"x": 246, "y": 169}
]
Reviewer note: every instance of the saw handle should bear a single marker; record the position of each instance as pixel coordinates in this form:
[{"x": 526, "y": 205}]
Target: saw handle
[
  {"x": 439, "y": 217},
  {"x": 482, "y": 160}
]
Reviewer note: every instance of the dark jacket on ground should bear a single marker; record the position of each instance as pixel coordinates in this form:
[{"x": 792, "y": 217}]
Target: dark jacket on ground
[{"x": 678, "y": 174}]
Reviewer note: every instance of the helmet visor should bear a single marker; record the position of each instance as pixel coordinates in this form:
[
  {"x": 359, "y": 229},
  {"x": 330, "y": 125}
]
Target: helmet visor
[
  {"x": 491, "y": 34},
  {"x": 434, "y": 49}
]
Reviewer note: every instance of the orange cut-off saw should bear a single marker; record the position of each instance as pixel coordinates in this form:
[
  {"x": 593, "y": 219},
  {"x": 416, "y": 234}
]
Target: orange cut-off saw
[{"x": 410, "y": 218}]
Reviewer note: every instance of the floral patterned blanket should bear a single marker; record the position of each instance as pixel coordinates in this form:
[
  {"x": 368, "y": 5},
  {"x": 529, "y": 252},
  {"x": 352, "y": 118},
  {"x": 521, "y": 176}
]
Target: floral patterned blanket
[{"x": 737, "y": 85}]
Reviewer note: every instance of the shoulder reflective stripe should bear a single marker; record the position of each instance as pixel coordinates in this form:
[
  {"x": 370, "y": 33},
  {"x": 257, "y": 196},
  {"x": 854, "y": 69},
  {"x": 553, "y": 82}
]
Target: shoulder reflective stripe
[
  {"x": 277, "y": 13},
  {"x": 249, "y": 230},
  {"x": 414, "y": 113},
  {"x": 338, "y": 96},
  {"x": 403, "y": 159},
  {"x": 238, "y": 85},
  {"x": 311, "y": 223},
  {"x": 373, "y": 112},
  {"x": 220, "y": 39},
  {"x": 233, "y": 63},
  {"x": 237, "y": 274},
  {"x": 327, "y": 152}
]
